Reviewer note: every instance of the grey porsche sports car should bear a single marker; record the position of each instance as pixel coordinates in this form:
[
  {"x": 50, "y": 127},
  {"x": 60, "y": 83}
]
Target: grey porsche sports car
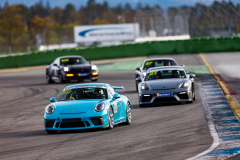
[
  {"x": 153, "y": 62},
  {"x": 166, "y": 85}
]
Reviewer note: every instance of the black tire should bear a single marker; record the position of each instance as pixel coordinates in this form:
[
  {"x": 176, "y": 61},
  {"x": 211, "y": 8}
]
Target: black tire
[
  {"x": 49, "y": 79},
  {"x": 193, "y": 92},
  {"x": 51, "y": 132},
  {"x": 128, "y": 114},
  {"x": 94, "y": 80},
  {"x": 110, "y": 118},
  {"x": 136, "y": 85},
  {"x": 193, "y": 95},
  {"x": 61, "y": 79}
]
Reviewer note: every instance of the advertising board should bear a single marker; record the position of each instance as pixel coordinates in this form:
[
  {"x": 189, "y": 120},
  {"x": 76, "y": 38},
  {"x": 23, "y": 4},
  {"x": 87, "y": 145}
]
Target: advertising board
[{"x": 106, "y": 33}]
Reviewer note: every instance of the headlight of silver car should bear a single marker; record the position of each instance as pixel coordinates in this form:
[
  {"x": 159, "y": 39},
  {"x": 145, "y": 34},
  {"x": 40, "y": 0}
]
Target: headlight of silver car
[
  {"x": 66, "y": 69},
  {"x": 144, "y": 87},
  {"x": 49, "y": 109},
  {"x": 184, "y": 85},
  {"x": 99, "y": 107}
]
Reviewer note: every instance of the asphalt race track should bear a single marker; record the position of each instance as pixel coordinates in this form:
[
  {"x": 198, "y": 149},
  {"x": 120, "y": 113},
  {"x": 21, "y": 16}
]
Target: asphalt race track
[{"x": 176, "y": 131}]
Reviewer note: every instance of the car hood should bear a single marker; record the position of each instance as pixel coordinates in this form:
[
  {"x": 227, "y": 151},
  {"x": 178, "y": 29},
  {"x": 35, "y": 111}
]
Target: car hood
[
  {"x": 76, "y": 106},
  {"x": 165, "y": 83}
]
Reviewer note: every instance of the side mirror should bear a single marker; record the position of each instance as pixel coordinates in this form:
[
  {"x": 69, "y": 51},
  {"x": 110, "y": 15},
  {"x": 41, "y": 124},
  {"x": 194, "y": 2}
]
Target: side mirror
[
  {"x": 183, "y": 65},
  {"x": 191, "y": 75},
  {"x": 52, "y": 99},
  {"x": 138, "y": 79},
  {"x": 90, "y": 62},
  {"x": 116, "y": 96},
  {"x": 55, "y": 65},
  {"x": 138, "y": 68}
]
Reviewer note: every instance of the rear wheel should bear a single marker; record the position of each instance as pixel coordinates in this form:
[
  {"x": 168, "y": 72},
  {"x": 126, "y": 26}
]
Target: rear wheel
[
  {"x": 110, "y": 118},
  {"x": 128, "y": 114}
]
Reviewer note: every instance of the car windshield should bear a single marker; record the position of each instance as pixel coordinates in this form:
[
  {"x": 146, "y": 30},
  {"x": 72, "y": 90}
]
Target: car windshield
[
  {"x": 158, "y": 63},
  {"x": 71, "y": 61},
  {"x": 82, "y": 93},
  {"x": 164, "y": 74}
]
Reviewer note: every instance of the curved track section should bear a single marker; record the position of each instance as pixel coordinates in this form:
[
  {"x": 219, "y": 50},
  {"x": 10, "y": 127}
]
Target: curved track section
[{"x": 177, "y": 131}]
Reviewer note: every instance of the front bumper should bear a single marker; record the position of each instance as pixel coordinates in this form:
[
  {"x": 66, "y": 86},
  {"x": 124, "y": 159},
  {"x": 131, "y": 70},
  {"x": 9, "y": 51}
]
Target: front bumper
[
  {"x": 150, "y": 97},
  {"x": 78, "y": 76},
  {"x": 60, "y": 122}
]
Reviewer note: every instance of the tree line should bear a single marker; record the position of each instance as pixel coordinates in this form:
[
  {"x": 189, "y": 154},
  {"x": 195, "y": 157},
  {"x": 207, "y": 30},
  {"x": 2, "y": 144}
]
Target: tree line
[{"x": 20, "y": 24}]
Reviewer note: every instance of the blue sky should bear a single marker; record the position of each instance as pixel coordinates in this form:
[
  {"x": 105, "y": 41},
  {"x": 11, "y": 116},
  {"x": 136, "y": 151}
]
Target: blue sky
[{"x": 78, "y": 3}]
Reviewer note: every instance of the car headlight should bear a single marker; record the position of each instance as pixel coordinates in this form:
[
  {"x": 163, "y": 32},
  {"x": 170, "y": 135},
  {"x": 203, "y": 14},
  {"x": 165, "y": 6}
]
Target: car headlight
[
  {"x": 184, "y": 85},
  {"x": 145, "y": 87},
  {"x": 94, "y": 67},
  {"x": 66, "y": 69},
  {"x": 49, "y": 109},
  {"x": 99, "y": 107}
]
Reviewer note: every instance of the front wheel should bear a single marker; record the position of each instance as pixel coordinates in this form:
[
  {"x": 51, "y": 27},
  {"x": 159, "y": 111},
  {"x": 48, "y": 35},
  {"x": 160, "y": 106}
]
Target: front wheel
[
  {"x": 49, "y": 79},
  {"x": 110, "y": 118},
  {"x": 136, "y": 85},
  {"x": 61, "y": 80},
  {"x": 128, "y": 114},
  {"x": 193, "y": 93}
]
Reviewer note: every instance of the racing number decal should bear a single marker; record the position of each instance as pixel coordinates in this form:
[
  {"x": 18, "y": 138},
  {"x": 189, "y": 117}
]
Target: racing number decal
[
  {"x": 65, "y": 60},
  {"x": 148, "y": 63},
  {"x": 153, "y": 73},
  {"x": 66, "y": 92}
]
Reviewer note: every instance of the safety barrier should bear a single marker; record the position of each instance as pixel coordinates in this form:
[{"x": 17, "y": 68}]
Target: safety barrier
[{"x": 194, "y": 45}]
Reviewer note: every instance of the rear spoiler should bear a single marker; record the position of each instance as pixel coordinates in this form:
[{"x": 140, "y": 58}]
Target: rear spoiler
[{"x": 116, "y": 87}]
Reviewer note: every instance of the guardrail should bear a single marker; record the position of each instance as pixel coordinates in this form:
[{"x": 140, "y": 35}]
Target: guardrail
[{"x": 194, "y": 45}]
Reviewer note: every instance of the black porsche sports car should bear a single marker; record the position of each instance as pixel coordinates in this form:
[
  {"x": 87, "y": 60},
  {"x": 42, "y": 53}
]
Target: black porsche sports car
[{"x": 68, "y": 68}]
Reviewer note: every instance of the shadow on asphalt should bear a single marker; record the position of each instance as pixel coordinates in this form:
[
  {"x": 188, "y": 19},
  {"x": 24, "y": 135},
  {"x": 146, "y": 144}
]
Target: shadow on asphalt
[
  {"x": 158, "y": 105},
  {"x": 23, "y": 134}
]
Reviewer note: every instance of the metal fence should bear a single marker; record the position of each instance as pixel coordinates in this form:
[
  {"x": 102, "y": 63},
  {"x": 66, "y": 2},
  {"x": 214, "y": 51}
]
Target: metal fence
[{"x": 219, "y": 19}]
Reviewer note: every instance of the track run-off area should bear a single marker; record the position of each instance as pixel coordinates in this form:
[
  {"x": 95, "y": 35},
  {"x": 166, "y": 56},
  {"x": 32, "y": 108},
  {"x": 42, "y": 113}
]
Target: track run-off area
[{"x": 206, "y": 129}]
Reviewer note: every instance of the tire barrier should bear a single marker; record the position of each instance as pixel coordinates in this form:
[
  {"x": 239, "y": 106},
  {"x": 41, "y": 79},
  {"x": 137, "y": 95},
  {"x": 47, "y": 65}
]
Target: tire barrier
[{"x": 194, "y": 45}]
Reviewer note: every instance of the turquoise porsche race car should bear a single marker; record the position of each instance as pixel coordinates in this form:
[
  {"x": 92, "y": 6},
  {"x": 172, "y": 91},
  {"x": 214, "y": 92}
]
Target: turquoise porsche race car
[{"x": 85, "y": 106}]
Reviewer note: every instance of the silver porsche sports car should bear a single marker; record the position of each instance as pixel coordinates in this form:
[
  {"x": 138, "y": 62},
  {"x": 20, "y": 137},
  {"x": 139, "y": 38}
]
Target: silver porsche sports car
[
  {"x": 166, "y": 85},
  {"x": 153, "y": 62}
]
